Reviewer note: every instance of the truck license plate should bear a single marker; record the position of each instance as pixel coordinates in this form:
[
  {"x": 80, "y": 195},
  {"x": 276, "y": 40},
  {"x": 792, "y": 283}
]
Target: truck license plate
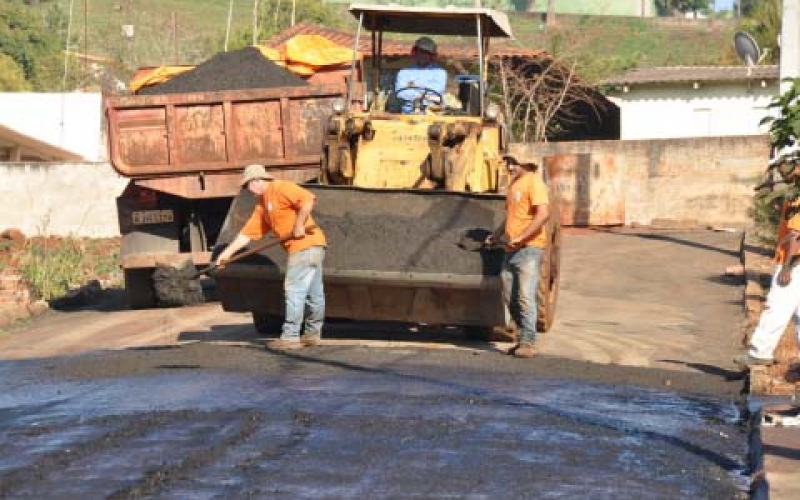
[{"x": 152, "y": 216}]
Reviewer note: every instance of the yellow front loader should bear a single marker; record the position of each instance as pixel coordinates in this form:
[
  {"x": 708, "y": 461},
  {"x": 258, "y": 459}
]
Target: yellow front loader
[{"x": 400, "y": 192}]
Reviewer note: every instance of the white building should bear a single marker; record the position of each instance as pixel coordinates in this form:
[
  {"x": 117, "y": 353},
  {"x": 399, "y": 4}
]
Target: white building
[
  {"x": 70, "y": 121},
  {"x": 673, "y": 102}
]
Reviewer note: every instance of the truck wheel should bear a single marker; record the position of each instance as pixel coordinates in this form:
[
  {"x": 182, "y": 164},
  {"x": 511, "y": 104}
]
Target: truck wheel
[
  {"x": 268, "y": 324},
  {"x": 547, "y": 293},
  {"x": 478, "y": 333},
  {"x": 139, "y": 288}
]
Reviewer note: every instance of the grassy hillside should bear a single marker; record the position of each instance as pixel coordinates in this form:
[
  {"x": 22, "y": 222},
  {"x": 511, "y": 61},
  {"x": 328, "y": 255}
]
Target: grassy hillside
[{"x": 190, "y": 31}]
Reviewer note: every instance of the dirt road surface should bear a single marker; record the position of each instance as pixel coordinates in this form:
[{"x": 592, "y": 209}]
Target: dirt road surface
[{"x": 633, "y": 396}]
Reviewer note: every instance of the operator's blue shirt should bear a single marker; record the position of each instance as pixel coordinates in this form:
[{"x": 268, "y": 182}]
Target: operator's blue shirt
[{"x": 430, "y": 77}]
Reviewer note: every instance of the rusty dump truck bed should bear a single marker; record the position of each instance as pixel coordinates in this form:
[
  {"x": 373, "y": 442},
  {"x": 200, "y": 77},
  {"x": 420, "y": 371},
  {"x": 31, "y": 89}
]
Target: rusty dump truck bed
[{"x": 216, "y": 132}]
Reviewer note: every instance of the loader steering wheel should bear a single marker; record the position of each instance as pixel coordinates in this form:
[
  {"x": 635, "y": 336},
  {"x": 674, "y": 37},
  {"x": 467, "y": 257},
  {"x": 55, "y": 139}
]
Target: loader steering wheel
[{"x": 423, "y": 92}]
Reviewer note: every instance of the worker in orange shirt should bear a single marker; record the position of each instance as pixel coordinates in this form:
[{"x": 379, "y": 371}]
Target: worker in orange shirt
[
  {"x": 527, "y": 212},
  {"x": 284, "y": 208},
  {"x": 783, "y": 298}
]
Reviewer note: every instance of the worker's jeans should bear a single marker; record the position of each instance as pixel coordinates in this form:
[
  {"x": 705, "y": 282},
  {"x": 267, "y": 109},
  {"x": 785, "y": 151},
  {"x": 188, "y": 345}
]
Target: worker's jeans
[
  {"x": 305, "y": 296},
  {"x": 520, "y": 276},
  {"x": 782, "y": 302}
]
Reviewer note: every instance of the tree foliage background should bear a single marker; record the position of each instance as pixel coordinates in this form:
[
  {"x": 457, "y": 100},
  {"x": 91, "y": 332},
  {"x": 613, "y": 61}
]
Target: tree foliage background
[
  {"x": 32, "y": 39},
  {"x": 763, "y": 22}
]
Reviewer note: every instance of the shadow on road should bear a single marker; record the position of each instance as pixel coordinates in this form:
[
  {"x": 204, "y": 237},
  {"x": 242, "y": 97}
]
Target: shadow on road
[
  {"x": 710, "y": 369},
  {"x": 668, "y": 236}
]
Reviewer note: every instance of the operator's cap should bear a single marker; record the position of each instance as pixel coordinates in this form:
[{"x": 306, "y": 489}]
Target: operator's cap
[
  {"x": 255, "y": 171},
  {"x": 523, "y": 159},
  {"x": 426, "y": 44}
]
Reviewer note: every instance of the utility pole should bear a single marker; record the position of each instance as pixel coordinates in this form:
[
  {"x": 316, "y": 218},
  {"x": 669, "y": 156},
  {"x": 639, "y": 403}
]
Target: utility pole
[
  {"x": 86, "y": 38},
  {"x": 551, "y": 13},
  {"x": 174, "y": 18},
  {"x": 790, "y": 42},
  {"x": 228, "y": 28},
  {"x": 255, "y": 22}
]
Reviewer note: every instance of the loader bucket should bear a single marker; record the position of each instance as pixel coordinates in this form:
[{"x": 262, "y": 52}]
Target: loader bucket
[{"x": 397, "y": 255}]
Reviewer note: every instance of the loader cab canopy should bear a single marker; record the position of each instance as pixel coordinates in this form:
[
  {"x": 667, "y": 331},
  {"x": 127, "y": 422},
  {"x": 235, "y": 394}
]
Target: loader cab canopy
[
  {"x": 478, "y": 24},
  {"x": 451, "y": 21}
]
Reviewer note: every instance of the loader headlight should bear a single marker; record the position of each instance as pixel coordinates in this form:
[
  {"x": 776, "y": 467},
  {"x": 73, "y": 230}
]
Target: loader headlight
[
  {"x": 492, "y": 112},
  {"x": 338, "y": 105}
]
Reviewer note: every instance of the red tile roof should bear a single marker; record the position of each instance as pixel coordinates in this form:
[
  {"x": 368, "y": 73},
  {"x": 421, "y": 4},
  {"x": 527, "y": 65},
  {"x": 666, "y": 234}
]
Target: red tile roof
[
  {"x": 398, "y": 48},
  {"x": 694, "y": 74}
]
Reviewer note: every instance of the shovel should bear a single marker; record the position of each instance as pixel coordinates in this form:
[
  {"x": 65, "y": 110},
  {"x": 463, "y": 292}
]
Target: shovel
[
  {"x": 179, "y": 285},
  {"x": 239, "y": 256}
]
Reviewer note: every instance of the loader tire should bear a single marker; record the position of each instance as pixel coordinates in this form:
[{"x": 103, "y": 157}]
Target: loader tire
[
  {"x": 547, "y": 292},
  {"x": 139, "y": 288}
]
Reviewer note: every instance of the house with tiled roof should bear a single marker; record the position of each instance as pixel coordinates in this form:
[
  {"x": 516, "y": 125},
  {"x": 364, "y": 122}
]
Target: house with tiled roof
[
  {"x": 52, "y": 126},
  {"x": 697, "y": 101},
  {"x": 16, "y": 147}
]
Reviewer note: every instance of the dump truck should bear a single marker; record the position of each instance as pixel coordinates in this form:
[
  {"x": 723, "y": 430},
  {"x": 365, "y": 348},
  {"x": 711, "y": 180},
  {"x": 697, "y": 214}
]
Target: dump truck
[
  {"x": 184, "y": 152},
  {"x": 405, "y": 197}
]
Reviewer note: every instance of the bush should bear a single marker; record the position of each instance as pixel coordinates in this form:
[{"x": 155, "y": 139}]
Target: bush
[{"x": 51, "y": 267}]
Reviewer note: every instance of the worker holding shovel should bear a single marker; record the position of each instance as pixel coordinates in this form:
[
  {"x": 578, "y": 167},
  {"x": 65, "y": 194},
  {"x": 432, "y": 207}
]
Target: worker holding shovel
[
  {"x": 284, "y": 208},
  {"x": 527, "y": 213}
]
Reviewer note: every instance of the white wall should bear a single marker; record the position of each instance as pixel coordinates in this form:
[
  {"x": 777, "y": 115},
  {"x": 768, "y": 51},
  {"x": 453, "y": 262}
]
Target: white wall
[
  {"x": 680, "y": 111},
  {"x": 71, "y": 121},
  {"x": 60, "y": 199}
]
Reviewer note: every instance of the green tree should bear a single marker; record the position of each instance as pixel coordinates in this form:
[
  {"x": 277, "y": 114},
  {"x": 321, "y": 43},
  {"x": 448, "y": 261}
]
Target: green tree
[
  {"x": 32, "y": 38},
  {"x": 784, "y": 134},
  {"x": 745, "y": 7},
  {"x": 12, "y": 78},
  {"x": 764, "y": 23},
  {"x": 670, "y": 7}
]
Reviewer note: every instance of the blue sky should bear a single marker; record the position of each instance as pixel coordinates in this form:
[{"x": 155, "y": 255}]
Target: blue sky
[{"x": 723, "y": 4}]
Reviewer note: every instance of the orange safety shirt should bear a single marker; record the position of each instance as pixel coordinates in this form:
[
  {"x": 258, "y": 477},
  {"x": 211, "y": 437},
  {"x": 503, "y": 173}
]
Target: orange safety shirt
[
  {"x": 790, "y": 221},
  {"x": 524, "y": 195},
  {"x": 276, "y": 211}
]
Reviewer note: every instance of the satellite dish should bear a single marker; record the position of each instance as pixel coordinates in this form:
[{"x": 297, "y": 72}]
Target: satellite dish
[{"x": 747, "y": 48}]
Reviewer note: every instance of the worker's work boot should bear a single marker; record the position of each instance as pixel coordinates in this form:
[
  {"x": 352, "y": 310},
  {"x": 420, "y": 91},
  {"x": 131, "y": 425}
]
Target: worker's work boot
[
  {"x": 747, "y": 361},
  {"x": 311, "y": 339},
  {"x": 524, "y": 350},
  {"x": 283, "y": 345}
]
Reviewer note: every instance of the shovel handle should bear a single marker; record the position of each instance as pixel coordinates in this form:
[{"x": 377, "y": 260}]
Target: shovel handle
[{"x": 239, "y": 256}]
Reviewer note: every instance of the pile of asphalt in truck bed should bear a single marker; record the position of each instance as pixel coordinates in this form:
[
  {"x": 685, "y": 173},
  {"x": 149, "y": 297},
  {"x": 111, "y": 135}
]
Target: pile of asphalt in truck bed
[
  {"x": 431, "y": 232},
  {"x": 236, "y": 70}
]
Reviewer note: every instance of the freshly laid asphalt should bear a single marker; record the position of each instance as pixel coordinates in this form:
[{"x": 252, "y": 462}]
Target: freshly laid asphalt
[{"x": 634, "y": 396}]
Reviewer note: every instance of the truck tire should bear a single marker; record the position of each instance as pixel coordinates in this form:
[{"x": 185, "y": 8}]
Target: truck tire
[
  {"x": 139, "y": 288},
  {"x": 478, "y": 333},
  {"x": 547, "y": 292},
  {"x": 268, "y": 324}
]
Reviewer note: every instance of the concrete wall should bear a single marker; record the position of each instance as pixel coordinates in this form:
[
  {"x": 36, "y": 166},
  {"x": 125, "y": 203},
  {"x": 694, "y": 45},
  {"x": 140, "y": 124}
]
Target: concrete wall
[
  {"x": 703, "y": 180},
  {"x": 60, "y": 199},
  {"x": 678, "y": 110},
  {"x": 708, "y": 181}
]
